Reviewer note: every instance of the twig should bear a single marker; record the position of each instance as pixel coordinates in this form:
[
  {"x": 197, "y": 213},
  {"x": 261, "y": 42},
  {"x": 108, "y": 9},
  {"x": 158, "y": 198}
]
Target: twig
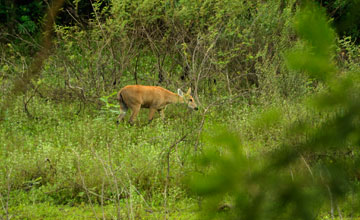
[
  {"x": 307, "y": 165},
  {"x": 339, "y": 211},
  {"x": 6, "y": 205},
  {"x": 168, "y": 169},
  {"x": 111, "y": 171},
  {"x": 84, "y": 185},
  {"x": 26, "y": 102},
  {"x": 331, "y": 202}
]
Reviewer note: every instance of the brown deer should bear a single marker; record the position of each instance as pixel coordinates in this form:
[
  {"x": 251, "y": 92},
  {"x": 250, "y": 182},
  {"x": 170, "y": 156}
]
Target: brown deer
[{"x": 153, "y": 97}]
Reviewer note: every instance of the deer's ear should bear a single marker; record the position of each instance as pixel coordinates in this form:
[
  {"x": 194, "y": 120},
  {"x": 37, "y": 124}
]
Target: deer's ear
[
  {"x": 180, "y": 93},
  {"x": 188, "y": 92}
]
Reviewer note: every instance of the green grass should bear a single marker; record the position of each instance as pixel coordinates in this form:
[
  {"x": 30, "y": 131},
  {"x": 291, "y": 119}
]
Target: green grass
[
  {"x": 63, "y": 159},
  {"x": 63, "y": 165},
  {"x": 60, "y": 165},
  {"x": 85, "y": 211}
]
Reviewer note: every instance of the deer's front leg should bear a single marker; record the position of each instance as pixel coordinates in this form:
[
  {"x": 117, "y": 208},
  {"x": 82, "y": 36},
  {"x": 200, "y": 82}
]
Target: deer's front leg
[{"x": 151, "y": 114}]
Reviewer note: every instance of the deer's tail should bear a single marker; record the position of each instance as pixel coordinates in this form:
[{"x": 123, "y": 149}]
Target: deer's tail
[{"x": 120, "y": 98}]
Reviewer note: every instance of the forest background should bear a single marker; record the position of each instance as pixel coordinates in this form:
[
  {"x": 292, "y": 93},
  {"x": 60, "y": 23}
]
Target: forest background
[{"x": 277, "y": 134}]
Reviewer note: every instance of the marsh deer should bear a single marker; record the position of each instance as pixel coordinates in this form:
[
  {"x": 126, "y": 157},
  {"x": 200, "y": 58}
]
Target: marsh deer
[{"x": 153, "y": 97}]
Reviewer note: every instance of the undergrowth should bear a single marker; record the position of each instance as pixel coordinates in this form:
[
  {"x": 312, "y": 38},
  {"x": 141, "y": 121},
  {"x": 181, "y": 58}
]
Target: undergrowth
[{"x": 63, "y": 158}]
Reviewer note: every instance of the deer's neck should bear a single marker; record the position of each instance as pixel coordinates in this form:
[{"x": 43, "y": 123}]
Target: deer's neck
[{"x": 175, "y": 98}]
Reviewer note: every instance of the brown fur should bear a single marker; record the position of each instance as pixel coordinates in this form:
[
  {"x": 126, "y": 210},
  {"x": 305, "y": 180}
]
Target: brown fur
[{"x": 155, "y": 98}]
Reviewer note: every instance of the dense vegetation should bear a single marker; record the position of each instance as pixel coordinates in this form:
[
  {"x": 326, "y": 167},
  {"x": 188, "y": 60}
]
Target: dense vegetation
[{"x": 277, "y": 134}]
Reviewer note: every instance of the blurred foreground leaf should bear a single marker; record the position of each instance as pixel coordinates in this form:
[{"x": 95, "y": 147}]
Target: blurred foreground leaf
[{"x": 315, "y": 168}]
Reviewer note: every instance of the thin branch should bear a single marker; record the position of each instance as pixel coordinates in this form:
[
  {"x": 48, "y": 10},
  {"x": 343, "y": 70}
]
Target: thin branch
[
  {"x": 168, "y": 168},
  {"x": 308, "y": 166},
  {"x": 331, "y": 202},
  {"x": 84, "y": 185}
]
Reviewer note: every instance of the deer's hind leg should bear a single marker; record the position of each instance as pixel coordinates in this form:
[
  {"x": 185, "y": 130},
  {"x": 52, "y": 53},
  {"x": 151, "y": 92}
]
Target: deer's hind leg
[
  {"x": 123, "y": 110},
  {"x": 135, "y": 111}
]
